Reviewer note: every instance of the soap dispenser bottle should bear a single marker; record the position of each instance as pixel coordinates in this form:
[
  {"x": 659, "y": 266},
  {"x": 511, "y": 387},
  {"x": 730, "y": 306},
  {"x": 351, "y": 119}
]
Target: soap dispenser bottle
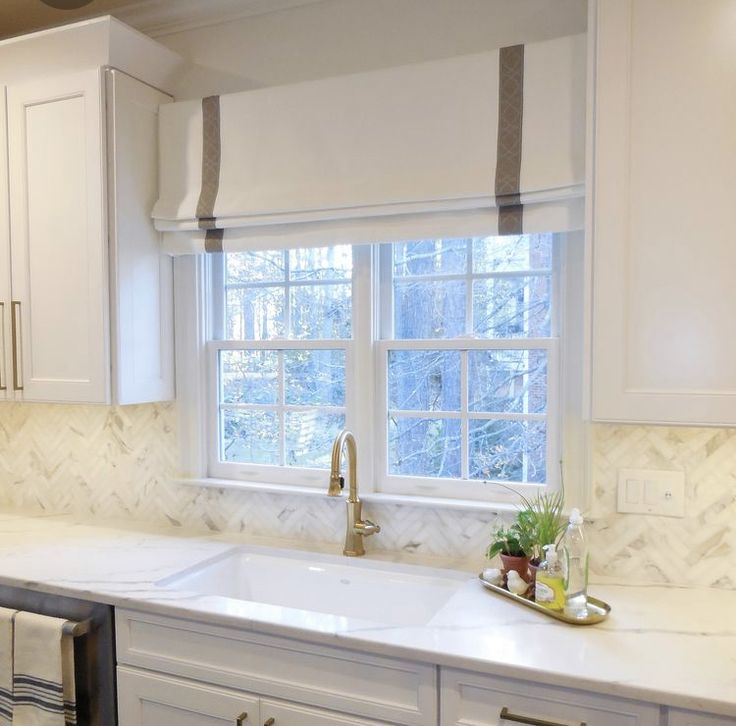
[
  {"x": 549, "y": 590},
  {"x": 575, "y": 567}
]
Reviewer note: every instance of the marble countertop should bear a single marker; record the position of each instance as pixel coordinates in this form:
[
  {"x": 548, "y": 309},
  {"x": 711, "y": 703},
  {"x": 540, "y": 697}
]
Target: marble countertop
[{"x": 664, "y": 645}]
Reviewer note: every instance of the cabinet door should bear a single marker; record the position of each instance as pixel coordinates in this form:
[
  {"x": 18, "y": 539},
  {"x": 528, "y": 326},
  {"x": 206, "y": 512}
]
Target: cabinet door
[
  {"x": 148, "y": 699},
  {"x": 58, "y": 238},
  {"x": 467, "y": 698},
  {"x": 142, "y": 296},
  {"x": 663, "y": 186},
  {"x": 6, "y": 364},
  {"x": 291, "y": 714},
  {"x": 691, "y": 718}
]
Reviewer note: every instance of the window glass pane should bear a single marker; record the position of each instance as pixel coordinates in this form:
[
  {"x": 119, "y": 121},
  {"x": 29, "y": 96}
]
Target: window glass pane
[
  {"x": 249, "y": 376},
  {"x": 509, "y": 254},
  {"x": 254, "y": 313},
  {"x": 512, "y": 307},
  {"x": 321, "y": 263},
  {"x": 244, "y": 267},
  {"x": 321, "y": 311},
  {"x": 430, "y": 257},
  {"x": 429, "y": 309},
  {"x": 250, "y": 437},
  {"x": 508, "y": 450},
  {"x": 424, "y": 447},
  {"x": 309, "y": 437},
  {"x": 315, "y": 377},
  {"x": 509, "y": 381},
  {"x": 424, "y": 380}
]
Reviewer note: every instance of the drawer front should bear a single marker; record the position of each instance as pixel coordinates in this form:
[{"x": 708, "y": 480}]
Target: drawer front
[
  {"x": 475, "y": 700},
  {"x": 147, "y": 699},
  {"x": 386, "y": 689},
  {"x": 692, "y": 718},
  {"x": 289, "y": 714}
]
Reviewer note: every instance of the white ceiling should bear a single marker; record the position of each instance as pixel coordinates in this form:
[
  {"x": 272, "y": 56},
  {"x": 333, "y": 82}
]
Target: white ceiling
[{"x": 22, "y": 16}]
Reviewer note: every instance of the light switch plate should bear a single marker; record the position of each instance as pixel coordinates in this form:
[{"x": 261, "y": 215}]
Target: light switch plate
[{"x": 651, "y": 491}]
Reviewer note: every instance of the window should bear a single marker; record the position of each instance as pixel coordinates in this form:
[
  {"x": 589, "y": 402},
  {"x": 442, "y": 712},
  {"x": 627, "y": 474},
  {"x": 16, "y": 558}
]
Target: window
[{"x": 441, "y": 355}]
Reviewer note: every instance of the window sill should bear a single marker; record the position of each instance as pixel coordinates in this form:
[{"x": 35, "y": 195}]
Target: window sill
[{"x": 465, "y": 505}]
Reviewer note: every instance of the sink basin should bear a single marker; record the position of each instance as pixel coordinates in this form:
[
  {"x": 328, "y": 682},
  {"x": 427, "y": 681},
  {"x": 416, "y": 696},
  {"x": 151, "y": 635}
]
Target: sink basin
[{"x": 388, "y": 593}]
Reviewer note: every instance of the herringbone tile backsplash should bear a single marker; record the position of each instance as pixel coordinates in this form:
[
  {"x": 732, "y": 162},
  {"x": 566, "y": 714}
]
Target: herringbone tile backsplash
[{"x": 111, "y": 463}]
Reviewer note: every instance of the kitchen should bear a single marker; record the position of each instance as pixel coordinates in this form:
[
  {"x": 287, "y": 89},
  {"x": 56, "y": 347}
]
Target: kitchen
[{"x": 646, "y": 370}]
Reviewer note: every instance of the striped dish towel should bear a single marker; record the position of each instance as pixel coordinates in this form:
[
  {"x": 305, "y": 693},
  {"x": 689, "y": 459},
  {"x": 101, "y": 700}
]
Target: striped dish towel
[
  {"x": 6, "y": 666},
  {"x": 43, "y": 679}
]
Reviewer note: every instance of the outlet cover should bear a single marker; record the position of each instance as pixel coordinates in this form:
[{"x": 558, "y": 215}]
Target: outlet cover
[{"x": 651, "y": 491}]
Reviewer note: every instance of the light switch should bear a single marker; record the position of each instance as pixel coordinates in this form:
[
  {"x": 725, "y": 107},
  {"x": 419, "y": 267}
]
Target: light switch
[
  {"x": 633, "y": 491},
  {"x": 649, "y": 491}
]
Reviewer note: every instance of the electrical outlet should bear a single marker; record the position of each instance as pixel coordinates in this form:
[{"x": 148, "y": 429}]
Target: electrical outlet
[{"x": 650, "y": 491}]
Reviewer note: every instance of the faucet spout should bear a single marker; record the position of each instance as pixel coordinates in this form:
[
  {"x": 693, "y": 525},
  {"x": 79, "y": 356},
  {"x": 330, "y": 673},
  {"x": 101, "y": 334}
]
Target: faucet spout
[{"x": 357, "y": 528}]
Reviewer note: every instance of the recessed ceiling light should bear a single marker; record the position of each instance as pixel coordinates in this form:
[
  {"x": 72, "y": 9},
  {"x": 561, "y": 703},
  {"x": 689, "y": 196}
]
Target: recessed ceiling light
[{"x": 66, "y": 4}]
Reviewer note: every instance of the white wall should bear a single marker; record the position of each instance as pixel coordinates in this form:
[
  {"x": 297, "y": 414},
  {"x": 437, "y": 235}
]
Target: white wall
[{"x": 336, "y": 37}]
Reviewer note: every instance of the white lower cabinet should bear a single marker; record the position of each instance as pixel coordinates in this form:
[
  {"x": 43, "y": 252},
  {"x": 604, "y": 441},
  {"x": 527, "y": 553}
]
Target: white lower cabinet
[
  {"x": 691, "y": 718},
  {"x": 148, "y": 699},
  {"x": 295, "y": 683},
  {"x": 472, "y": 699}
]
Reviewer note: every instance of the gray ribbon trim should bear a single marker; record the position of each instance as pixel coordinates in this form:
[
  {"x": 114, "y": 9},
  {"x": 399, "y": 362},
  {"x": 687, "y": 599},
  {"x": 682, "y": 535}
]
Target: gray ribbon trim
[
  {"x": 508, "y": 157},
  {"x": 211, "y": 157}
]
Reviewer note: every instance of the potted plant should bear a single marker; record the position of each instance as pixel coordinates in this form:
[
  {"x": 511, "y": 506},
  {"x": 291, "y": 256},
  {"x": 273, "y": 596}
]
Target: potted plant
[
  {"x": 538, "y": 522},
  {"x": 513, "y": 544}
]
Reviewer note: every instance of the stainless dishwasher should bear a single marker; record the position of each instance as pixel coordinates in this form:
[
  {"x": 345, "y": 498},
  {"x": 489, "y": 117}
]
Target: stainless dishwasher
[{"x": 94, "y": 649}]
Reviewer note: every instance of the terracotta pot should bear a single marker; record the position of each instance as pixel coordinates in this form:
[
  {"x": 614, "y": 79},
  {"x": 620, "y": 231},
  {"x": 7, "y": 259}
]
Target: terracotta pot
[{"x": 520, "y": 564}]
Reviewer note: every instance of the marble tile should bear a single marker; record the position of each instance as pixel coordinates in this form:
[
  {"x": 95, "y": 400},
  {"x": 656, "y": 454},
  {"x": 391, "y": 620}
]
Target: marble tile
[{"x": 107, "y": 463}]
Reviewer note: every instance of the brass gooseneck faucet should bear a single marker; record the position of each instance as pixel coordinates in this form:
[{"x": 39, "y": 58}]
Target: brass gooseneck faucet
[{"x": 357, "y": 528}]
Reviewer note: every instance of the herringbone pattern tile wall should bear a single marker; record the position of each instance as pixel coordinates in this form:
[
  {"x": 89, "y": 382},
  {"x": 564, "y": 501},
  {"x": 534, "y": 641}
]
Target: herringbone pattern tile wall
[{"x": 109, "y": 463}]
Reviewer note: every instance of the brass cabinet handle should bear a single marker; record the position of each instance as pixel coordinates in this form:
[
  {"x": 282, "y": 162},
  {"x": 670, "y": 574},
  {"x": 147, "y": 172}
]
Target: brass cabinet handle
[
  {"x": 240, "y": 720},
  {"x": 15, "y": 329},
  {"x": 269, "y": 722},
  {"x": 3, "y": 386},
  {"x": 506, "y": 715}
]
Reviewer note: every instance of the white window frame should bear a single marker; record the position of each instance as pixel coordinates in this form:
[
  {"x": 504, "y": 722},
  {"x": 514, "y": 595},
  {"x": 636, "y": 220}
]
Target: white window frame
[
  {"x": 357, "y": 352},
  {"x": 365, "y": 379}
]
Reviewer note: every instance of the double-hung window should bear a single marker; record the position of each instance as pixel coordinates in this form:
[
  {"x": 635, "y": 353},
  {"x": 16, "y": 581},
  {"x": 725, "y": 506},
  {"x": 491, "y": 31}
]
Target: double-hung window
[{"x": 441, "y": 355}]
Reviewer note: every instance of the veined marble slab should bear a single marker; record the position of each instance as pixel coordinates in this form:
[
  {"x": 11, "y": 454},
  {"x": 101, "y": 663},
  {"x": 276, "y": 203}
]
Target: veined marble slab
[{"x": 664, "y": 645}]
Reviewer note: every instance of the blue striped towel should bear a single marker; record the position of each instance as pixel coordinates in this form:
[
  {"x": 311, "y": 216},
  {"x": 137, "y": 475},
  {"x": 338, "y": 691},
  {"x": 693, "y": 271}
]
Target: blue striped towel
[
  {"x": 43, "y": 678},
  {"x": 6, "y": 666}
]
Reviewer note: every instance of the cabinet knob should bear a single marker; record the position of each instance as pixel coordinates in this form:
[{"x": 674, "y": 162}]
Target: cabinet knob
[
  {"x": 269, "y": 722},
  {"x": 506, "y": 715},
  {"x": 240, "y": 720}
]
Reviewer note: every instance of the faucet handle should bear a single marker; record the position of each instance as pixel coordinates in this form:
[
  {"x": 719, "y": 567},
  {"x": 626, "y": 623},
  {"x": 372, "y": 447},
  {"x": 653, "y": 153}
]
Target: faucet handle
[{"x": 366, "y": 528}]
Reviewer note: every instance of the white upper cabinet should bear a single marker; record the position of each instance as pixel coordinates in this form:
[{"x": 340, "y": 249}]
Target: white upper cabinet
[
  {"x": 87, "y": 309},
  {"x": 663, "y": 186},
  {"x": 58, "y": 239}
]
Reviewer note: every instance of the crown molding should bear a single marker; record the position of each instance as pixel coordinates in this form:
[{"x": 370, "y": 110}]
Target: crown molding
[{"x": 157, "y": 18}]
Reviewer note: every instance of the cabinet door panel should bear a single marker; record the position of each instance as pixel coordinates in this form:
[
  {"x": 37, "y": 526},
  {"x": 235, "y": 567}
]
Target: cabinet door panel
[
  {"x": 691, "y": 718},
  {"x": 290, "y": 714},
  {"x": 664, "y": 179},
  {"x": 153, "y": 700},
  {"x": 468, "y": 698},
  {"x": 58, "y": 238}
]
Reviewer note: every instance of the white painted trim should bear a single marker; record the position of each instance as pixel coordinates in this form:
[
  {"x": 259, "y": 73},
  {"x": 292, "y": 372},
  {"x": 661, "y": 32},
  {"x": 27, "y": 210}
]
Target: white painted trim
[{"x": 157, "y": 18}]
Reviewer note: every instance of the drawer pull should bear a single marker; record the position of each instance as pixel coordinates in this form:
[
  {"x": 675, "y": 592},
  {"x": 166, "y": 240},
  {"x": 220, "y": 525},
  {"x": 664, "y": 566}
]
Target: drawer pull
[
  {"x": 269, "y": 722},
  {"x": 15, "y": 330},
  {"x": 506, "y": 715},
  {"x": 240, "y": 720}
]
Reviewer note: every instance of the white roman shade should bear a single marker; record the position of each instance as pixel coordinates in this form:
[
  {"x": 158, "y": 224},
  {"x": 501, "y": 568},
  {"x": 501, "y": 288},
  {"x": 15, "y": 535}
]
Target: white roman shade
[{"x": 472, "y": 145}]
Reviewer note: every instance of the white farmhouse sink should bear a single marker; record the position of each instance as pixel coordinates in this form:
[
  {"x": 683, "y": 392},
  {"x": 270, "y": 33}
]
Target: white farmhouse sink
[{"x": 388, "y": 593}]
